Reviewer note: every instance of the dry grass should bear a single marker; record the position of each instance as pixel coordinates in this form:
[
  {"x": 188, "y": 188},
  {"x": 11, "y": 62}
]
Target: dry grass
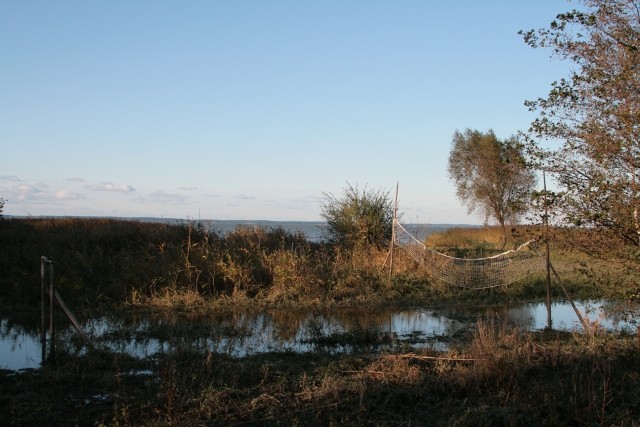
[
  {"x": 101, "y": 262},
  {"x": 500, "y": 377},
  {"x": 465, "y": 238},
  {"x": 170, "y": 299}
]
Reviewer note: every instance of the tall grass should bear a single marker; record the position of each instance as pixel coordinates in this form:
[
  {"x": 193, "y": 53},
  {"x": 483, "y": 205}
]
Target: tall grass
[
  {"x": 96, "y": 260},
  {"x": 113, "y": 262},
  {"x": 477, "y": 242},
  {"x": 164, "y": 265}
]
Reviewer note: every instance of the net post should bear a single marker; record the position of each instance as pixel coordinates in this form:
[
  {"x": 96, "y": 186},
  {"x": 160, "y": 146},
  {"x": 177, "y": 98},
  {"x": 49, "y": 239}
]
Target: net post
[
  {"x": 548, "y": 251},
  {"x": 584, "y": 323},
  {"x": 52, "y": 327},
  {"x": 393, "y": 233},
  {"x": 43, "y": 331}
]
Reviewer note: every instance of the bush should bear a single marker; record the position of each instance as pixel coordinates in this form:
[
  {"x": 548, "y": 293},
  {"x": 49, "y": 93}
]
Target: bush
[{"x": 360, "y": 218}]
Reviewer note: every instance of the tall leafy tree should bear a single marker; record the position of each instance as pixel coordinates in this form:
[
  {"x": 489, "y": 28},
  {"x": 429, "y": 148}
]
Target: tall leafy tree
[
  {"x": 592, "y": 117},
  {"x": 491, "y": 176}
]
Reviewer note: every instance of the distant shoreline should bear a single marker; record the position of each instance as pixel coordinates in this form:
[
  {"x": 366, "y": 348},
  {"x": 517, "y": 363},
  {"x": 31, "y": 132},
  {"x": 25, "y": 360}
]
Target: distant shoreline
[
  {"x": 314, "y": 231},
  {"x": 235, "y": 221}
]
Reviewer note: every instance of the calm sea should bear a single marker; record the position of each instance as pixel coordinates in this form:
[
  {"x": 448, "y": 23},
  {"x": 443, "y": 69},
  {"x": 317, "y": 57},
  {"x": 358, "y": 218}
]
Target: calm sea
[{"x": 314, "y": 231}]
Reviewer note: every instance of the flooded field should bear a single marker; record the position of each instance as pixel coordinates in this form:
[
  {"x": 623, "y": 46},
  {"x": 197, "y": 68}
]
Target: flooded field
[{"x": 245, "y": 334}]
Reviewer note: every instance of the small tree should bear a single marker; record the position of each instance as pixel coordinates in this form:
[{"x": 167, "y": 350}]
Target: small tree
[
  {"x": 2, "y": 202},
  {"x": 491, "y": 176},
  {"x": 360, "y": 218}
]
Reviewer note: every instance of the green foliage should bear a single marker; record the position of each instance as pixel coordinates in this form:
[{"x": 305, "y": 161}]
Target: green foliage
[
  {"x": 491, "y": 176},
  {"x": 2, "y": 202},
  {"x": 360, "y": 218},
  {"x": 591, "y": 117}
]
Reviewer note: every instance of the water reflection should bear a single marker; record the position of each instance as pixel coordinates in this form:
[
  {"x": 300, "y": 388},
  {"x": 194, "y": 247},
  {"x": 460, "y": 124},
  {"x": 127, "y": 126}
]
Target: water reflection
[
  {"x": 18, "y": 348},
  {"x": 242, "y": 334}
]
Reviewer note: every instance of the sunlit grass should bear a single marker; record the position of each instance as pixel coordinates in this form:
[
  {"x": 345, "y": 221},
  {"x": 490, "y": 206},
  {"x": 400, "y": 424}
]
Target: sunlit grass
[{"x": 115, "y": 262}]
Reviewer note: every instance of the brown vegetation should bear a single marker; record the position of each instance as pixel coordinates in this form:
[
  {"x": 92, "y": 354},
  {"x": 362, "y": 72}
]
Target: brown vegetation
[
  {"x": 110, "y": 263},
  {"x": 501, "y": 377},
  {"x": 114, "y": 262}
]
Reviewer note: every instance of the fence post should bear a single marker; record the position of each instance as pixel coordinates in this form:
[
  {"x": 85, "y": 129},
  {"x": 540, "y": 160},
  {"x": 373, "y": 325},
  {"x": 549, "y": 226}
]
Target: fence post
[
  {"x": 43, "y": 331},
  {"x": 548, "y": 251},
  {"x": 393, "y": 233},
  {"x": 52, "y": 326},
  {"x": 53, "y": 297}
]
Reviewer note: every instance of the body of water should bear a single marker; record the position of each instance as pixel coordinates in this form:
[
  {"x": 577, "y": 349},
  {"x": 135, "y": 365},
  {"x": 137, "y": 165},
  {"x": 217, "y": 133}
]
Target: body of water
[
  {"x": 244, "y": 334},
  {"x": 314, "y": 231}
]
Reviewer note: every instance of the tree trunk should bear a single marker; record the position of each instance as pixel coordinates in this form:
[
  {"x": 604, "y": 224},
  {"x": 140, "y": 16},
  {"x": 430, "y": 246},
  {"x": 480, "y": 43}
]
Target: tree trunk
[
  {"x": 635, "y": 223},
  {"x": 504, "y": 235}
]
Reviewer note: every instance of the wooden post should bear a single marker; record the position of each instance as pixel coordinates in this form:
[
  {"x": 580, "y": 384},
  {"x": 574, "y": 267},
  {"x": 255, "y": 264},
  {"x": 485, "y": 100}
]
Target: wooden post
[
  {"x": 393, "y": 233},
  {"x": 548, "y": 252},
  {"x": 54, "y": 296},
  {"x": 43, "y": 331},
  {"x": 52, "y": 328},
  {"x": 71, "y": 317},
  {"x": 585, "y": 325}
]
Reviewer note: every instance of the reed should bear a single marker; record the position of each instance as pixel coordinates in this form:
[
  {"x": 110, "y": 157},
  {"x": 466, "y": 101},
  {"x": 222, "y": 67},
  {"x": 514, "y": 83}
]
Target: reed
[{"x": 106, "y": 262}]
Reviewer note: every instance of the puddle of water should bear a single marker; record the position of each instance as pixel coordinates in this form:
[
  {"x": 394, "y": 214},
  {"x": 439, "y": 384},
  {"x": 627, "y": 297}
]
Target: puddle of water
[
  {"x": 19, "y": 349},
  {"x": 280, "y": 330}
]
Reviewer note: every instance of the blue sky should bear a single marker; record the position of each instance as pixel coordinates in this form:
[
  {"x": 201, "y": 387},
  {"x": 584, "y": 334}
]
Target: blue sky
[{"x": 245, "y": 109}]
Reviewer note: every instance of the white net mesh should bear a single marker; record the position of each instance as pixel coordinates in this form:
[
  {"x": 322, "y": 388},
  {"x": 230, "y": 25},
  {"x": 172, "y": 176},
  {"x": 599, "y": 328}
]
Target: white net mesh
[{"x": 478, "y": 273}]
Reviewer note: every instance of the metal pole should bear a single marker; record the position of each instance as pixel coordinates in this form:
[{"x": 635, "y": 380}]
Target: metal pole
[
  {"x": 548, "y": 250},
  {"x": 43, "y": 331}
]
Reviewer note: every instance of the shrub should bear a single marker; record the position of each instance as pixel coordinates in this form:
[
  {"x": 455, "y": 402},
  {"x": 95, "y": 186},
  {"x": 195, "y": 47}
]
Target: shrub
[{"x": 360, "y": 218}]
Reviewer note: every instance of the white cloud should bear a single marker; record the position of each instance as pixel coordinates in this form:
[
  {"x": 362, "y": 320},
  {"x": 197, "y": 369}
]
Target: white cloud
[
  {"x": 65, "y": 195},
  {"x": 168, "y": 198},
  {"x": 28, "y": 192},
  {"x": 21, "y": 192},
  {"x": 116, "y": 188}
]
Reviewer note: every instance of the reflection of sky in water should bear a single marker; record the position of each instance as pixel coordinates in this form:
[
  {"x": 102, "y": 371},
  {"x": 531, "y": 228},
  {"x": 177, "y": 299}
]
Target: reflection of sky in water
[
  {"x": 280, "y": 330},
  {"x": 563, "y": 316},
  {"x": 426, "y": 322},
  {"x": 17, "y": 348}
]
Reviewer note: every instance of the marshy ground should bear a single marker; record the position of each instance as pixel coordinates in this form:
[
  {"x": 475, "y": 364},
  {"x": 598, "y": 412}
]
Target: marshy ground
[
  {"x": 500, "y": 377},
  {"x": 496, "y": 374}
]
